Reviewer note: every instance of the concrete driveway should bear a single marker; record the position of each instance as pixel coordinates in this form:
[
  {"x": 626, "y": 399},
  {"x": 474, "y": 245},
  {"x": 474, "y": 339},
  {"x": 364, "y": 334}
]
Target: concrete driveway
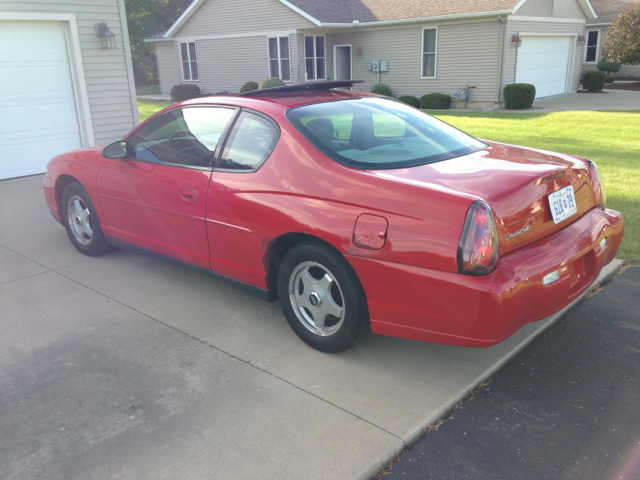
[
  {"x": 606, "y": 100},
  {"x": 126, "y": 366}
]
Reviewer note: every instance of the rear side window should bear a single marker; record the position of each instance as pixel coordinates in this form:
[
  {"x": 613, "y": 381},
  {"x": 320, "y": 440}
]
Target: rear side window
[
  {"x": 250, "y": 143},
  {"x": 377, "y": 133}
]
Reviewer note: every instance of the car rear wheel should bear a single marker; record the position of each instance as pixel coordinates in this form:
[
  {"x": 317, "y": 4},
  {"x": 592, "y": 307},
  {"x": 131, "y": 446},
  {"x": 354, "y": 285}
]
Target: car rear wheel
[
  {"x": 81, "y": 221},
  {"x": 322, "y": 298}
]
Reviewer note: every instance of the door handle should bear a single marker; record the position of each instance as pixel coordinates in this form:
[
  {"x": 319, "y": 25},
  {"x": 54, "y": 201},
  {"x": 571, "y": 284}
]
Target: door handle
[{"x": 189, "y": 195}]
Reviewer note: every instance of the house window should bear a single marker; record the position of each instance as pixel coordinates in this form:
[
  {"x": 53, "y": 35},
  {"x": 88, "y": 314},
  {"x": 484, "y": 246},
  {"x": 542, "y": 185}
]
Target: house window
[
  {"x": 315, "y": 57},
  {"x": 189, "y": 61},
  {"x": 429, "y": 55},
  {"x": 279, "y": 59},
  {"x": 591, "y": 54}
]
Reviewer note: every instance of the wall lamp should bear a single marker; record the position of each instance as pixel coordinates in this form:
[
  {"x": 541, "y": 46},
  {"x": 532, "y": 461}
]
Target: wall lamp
[{"x": 107, "y": 37}]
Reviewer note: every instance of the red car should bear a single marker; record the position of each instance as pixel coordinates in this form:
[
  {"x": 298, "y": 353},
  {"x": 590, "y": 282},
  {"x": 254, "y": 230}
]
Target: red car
[{"x": 357, "y": 211}]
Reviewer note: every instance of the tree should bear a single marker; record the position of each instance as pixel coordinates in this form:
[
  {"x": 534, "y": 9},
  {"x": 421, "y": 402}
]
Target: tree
[
  {"x": 609, "y": 67},
  {"x": 623, "y": 38},
  {"x": 146, "y": 18}
]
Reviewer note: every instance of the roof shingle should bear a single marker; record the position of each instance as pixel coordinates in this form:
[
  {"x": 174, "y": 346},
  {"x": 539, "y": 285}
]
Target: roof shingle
[{"x": 608, "y": 10}]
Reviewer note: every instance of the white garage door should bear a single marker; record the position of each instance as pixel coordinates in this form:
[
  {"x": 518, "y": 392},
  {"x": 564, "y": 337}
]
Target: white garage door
[
  {"x": 38, "y": 117},
  {"x": 544, "y": 62}
]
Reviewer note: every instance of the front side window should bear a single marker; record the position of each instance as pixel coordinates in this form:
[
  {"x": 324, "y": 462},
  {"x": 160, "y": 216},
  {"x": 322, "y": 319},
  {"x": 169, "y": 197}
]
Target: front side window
[
  {"x": 377, "y": 133},
  {"x": 186, "y": 137},
  {"x": 429, "y": 47},
  {"x": 279, "y": 58},
  {"x": 591, "y": 54},
  {"x": 314, "y": 57},
  {"x": 250, "y": 143},
  {"x": 189, "y": 61}
]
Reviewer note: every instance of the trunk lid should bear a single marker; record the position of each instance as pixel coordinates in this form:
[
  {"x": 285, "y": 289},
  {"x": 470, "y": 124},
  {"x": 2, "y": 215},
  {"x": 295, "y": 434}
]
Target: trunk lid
[{"x": 514, "y": 181}]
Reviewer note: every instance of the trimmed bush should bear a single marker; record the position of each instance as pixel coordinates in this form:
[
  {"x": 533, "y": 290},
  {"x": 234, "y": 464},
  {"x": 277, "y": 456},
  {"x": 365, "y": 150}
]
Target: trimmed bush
[
  {"x": 518, "y": 96},
  {"x": 630, "y": 77},
  {"x": 381, "y": 89},
  {"x": 249, "y": 86},
  {"x": 410, "y": 100},
  {"x": 609, "y": 67},
  {"x": 610, "y": 79},
  {"x": 184, "y": 91},
  {"x": 437, "y": 101},
  {"x": 271, "y": 83},
  {"x": 594, "y": 81}
]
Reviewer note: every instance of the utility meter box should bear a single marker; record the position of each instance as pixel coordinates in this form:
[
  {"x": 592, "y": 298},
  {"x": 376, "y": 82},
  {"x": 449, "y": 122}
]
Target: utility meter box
[{"x": 384, "y": 65}]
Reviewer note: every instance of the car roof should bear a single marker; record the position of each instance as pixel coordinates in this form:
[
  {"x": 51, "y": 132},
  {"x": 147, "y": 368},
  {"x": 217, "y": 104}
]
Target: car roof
[{"x": 286, "y": 97}]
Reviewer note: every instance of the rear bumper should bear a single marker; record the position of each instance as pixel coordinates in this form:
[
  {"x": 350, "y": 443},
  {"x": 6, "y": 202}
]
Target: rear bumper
[{"x": 443, "y": 307}]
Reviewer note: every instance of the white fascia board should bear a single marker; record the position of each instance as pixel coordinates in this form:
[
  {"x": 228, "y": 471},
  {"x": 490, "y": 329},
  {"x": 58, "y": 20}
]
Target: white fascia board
[
  {"x": 520, "y": 3},
  {"x": 527, "y": 18},
  {"x": 183, "y": 18},
  {"x": 301, "y": 12},
  {"x": 589, "y": 25},
  {"x": 588, "y": 10},
  {"x": 416, "y": 20},
  {"x": 156, "y": 40}
]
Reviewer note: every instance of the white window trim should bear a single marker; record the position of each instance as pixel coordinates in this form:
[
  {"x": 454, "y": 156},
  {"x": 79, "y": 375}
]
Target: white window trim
[
  {"x": 335, "y": 61},
  {"x": 195, "y": 46},
  {"x": 315, "y": 57},
  {"x": 422, "y": 53},
  {"x": 586, "y": 47},
  {"x": 280, "y": 57}
]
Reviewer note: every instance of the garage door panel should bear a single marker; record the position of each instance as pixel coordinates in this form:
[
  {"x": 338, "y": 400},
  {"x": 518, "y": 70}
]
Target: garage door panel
[
  {"x": 38, "y": 115},
  {"x": 544, "y": 62}
]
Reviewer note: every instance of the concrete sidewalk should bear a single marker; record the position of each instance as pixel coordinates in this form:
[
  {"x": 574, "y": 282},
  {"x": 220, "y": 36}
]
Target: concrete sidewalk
[{"x": 126, "y": 366}]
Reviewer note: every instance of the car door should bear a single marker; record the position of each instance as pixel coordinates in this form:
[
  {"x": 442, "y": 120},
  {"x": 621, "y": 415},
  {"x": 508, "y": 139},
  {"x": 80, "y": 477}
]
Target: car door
[
  {"x": 231, "y": 210},
  {"x": 155, "y": 197}
]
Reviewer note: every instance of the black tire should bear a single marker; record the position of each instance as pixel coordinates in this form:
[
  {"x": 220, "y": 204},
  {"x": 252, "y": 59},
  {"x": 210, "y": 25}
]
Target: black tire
[
  {"x": 82, "y": 224},
  {"x": 313, "y": 272}
]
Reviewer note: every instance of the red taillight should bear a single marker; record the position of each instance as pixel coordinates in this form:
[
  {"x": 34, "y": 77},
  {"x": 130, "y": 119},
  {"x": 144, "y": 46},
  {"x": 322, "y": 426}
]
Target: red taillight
[
  {"x": 479, "y": 250},
  {"x": 598, "y": 188}
]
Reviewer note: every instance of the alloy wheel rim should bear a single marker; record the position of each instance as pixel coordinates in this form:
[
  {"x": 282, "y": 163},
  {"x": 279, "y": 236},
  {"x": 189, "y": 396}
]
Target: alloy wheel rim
[
  {"x": 79, "y": 219},
  {"x": 316, "y": 298}
]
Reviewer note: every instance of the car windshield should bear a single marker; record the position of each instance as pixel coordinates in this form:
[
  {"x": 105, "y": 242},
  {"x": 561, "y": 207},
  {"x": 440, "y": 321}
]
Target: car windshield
[{"x": 379, "y": 133}]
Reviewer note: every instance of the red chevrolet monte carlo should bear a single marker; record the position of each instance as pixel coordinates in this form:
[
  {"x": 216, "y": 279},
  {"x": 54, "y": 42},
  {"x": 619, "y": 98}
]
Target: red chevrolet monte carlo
[{"x": 356, "y": 210}]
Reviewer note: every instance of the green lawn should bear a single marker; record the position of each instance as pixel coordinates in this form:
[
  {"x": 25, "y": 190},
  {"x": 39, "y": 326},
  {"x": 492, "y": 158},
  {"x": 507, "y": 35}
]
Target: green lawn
[
  {"x": 148, "y": 90},
  {"x": 611, "y": 139},
  {"x": 146, "y": 108}
]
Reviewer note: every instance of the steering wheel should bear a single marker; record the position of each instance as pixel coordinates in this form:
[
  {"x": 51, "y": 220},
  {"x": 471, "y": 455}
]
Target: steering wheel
[{"x": 179, "y": 134}]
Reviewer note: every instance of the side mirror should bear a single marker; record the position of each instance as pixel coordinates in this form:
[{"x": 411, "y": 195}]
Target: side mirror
[{"x": 115, "y": 150}]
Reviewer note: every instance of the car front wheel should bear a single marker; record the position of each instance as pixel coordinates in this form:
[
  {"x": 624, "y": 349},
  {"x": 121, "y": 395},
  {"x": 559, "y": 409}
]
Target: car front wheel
[
  {"x": 322, "y": 298},
  {"x": 81, "y": 221}
]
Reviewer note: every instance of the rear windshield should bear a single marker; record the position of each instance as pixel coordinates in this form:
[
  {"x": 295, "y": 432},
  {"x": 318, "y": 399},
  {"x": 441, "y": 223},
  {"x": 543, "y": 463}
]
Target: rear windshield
[{"x": 379, "y": 133}]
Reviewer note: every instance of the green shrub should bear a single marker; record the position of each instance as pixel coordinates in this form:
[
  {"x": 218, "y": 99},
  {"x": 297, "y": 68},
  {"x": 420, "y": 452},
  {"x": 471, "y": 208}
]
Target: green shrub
[
  {"x": 581, "y": 78},
  {"x": 594, "y": 80},
  {"x": 249, "y": 86},
  {"x": 184, "y": 91},
  {"x": 381, "y": 89},
  {"x": 271, "y": 83},
  {"x": 609, "y": 67},
  {"x": 438, "y": 101},
  {"x": 518, "y": 96},
  {"x": 610, "y": 79},
  {"x": 630, "y": 77},
  {"x": 410, "y": 100}
]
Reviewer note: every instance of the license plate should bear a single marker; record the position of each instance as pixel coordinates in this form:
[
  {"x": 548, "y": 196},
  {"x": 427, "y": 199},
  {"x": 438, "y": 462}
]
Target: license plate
[{"x": 563, "y": 204}]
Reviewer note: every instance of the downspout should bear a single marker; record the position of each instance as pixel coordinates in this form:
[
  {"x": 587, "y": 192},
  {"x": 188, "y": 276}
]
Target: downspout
[{"x": 503, "y": 41}]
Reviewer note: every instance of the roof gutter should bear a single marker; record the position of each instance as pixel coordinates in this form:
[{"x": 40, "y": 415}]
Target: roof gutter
[
  {"x": 414, "y": 20},
  {"x": 599, "y": 24}
]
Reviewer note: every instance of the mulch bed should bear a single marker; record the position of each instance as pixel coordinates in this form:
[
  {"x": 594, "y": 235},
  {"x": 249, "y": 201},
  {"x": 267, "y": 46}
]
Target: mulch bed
[{"x": 635, "y": 86}]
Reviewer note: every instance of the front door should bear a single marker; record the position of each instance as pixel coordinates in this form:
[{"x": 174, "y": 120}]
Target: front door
[
  {"x": 343, "y": 62},
  {"x": 155, "y": 198}
]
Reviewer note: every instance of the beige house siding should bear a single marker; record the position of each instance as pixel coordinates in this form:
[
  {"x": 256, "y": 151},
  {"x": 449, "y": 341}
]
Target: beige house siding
[
  {"x": 107, "y": 78},
  {"x": 551, "y": 28},
  {"x": 536, "y": 8},
  {"x": 460, "y": 60},
  {"x": 221, "y": 17},
  {"x": 168, "y": 65},
  {"x": 567, "y": 9}
]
